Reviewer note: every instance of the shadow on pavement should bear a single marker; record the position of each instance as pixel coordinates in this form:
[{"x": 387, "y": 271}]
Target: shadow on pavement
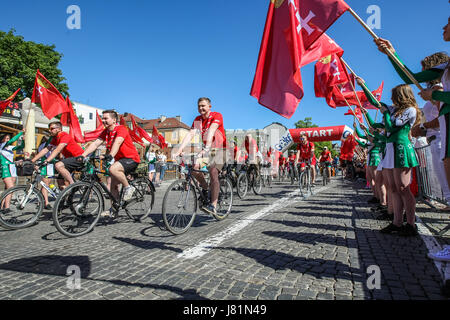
[{"x": 145, "y": 244}]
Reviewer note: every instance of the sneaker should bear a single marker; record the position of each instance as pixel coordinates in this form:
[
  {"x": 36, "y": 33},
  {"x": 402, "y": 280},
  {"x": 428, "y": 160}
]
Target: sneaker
[
  {"x": 443, "y": 255},
  {"x": 373, "y": 200},
  {"x": 111, "y": 213},
  {"x": 409, "y": 230},
  {"x": 128, "y": 194},
  {"x": 391, "y": 228},
  {"x": 385, "y": 216},
  {"x": 48, "y": 207},
  {"x": 210, "y": 209}
]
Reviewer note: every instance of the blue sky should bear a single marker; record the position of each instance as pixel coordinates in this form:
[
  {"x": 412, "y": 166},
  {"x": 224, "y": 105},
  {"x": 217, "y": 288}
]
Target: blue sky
[{"x": 156, "y": 58}]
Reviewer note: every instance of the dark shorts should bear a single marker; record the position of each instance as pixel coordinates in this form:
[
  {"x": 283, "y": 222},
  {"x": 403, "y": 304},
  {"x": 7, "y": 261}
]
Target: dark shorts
[
  {"x": 326, "y": 163},
  {"x": 129, "y": 165},
  {"x": 71, "y": 164}
]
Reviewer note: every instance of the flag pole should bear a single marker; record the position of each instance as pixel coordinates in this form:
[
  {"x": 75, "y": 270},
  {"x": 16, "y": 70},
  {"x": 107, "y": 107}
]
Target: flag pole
[
  {"x": 389, "y": 52},
  {"x": 354, "y": 90},
  {"x": 376, "y": 115},
  {"x": 353, "y": 72}
]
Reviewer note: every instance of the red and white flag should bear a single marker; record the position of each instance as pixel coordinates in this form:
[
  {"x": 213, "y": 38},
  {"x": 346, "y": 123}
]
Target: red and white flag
[
  {"x": 50, "y": 99},
  {"x": 292, "y": 27},
  {"x": 329, "y": 72},
  {"x": 5, "y": 103}
]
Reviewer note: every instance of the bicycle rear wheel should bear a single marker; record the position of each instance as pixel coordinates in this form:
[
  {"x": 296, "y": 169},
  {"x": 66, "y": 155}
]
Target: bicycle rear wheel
[
  {"x": 141, "y": 205},
  {"x": 25, "y": 208},
  {"x": 179, "y": 207},
  {"x": 225, "y": 202},
  {"x": 77, "y": 209},
  {"x": 304, "y": 182},
  {"x": 242, "y": 185}
]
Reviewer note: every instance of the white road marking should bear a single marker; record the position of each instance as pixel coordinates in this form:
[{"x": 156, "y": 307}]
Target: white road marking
[{"x": 206, "y": 245}]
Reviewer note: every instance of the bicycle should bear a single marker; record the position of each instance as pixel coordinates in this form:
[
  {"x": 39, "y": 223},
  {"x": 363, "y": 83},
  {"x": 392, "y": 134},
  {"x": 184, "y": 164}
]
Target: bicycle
[
  {"x": 305, "y": 179},
  {"x": 266, "y": 174},
  {"x": 238, "y": 180},
  {"x": 26, "y": 201},
  {"x": 254, "y": 178},
  {"x": 78, "y": 208},
  {"x": 181, "y": 201},
  {"x": 325, "y": 176},
  {"x": 282, "y": 173},
  {"x": 293, "y": 173}
]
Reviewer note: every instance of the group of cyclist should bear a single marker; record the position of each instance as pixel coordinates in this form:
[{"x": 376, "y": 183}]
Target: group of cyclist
[{"x": 61, "y": 153}]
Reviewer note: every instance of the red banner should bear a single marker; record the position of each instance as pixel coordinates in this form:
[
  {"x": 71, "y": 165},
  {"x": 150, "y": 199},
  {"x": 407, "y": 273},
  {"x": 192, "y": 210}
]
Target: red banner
[{"x": 321, "y": 133}]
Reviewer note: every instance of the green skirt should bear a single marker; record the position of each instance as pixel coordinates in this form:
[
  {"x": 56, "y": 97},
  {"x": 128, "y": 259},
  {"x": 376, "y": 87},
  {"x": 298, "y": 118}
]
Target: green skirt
[
  {"x": 374, "y": 159},
  {"x": 405, "y": 155}
]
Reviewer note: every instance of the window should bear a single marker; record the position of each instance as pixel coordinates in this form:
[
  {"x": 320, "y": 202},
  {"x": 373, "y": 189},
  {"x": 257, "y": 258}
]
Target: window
[
  {"x": 91, "y": 116},
  {"x": 174, "y": 135}
]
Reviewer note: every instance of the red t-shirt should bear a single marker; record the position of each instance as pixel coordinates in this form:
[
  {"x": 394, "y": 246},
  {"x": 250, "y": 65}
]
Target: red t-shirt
[
  {"x": 219, "y": 139},
  {"x": 250, "y": 146},
  {"x": 292, "y": 158},
  {"x": 235, "y": 151},
  {"x": 127, "y": 148},
  {"x": 72, "y": 149},
  {"x": 325, "y": 156},
  {"x": 282, "y": 160},
  {"x": 305, "y": 150},
  {"x": 348, "y": 148}
]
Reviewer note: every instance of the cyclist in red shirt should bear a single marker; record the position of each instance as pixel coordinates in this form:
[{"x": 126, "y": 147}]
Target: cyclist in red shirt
[
  {"x": 214, "y": 152},
  {"x": 305, "y": 152},
  {"x": 325, "y": 161},
  {"x": 66, "y": 145},
  {"x": 120, "y": 147}
]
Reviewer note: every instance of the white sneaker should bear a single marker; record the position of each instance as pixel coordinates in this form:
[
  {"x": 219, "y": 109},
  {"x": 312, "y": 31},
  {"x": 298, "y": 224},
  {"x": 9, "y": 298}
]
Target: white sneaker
[
  {"x": 443, "y": 255},
  {"x": 106, "y": 214},
  {"x": 128, "y": 193}
]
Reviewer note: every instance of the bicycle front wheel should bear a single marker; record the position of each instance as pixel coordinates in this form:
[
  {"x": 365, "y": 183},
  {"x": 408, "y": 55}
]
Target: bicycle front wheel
[
  {"x": 77, "y": 209},
  {"x": 140, "y": 206},
  {"x": 257, "y": 184},
  {"x": 225, "y": 202},
  {"x": 179, "y": 207},
  {"x": 25, "y": 207}
]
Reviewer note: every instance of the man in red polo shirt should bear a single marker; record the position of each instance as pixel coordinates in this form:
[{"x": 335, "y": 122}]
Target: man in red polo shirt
[
  {"x": 305, "y": 152},
  {"x": 119, "y": 146},
  {"x": 213, "y": 155},
  {"x": 65, "y": 144}
]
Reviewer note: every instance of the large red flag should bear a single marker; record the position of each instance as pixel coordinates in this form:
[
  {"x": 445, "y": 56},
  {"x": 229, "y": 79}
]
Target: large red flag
[
  {"x": 133, "y": 135},
  {"x": 292, "y": 27},
  {"x": 45, "y": 93},
  {"x": 277, "y": 84},
  {"x": 158, "y": 138},
  {"x": 93, "y": 135},
  {"x": 141, "y": 133},
  {"x": 5, "y": 103},
  {"x": 70, "y": 119}
]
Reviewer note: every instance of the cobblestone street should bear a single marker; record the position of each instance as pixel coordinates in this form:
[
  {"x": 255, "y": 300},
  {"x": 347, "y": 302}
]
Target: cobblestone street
[{"x": 272, "y": 246}]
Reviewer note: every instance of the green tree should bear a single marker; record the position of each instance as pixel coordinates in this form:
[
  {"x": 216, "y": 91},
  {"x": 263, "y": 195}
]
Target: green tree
[
  {"x": 319, "y": 146},
  {"x": 19, "y": 60}
]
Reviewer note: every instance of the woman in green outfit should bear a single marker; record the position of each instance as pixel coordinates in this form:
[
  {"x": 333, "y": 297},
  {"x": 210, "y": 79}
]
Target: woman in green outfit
[
  {"x": 442, "y": 73},
  {"x": 376, "y": 145},
  {"x": 9, "y": 170},
  {"x": 400, "y": 156}
]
